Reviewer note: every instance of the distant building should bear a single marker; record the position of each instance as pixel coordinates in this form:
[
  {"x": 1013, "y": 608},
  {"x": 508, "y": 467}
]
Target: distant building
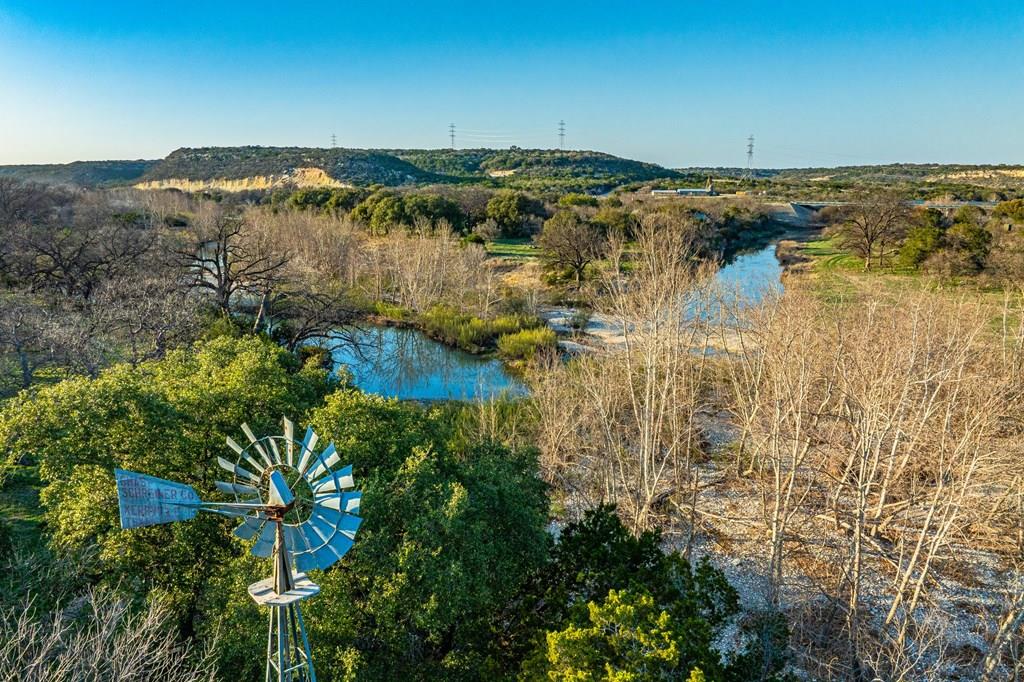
[{"x": 707, "y": 191}]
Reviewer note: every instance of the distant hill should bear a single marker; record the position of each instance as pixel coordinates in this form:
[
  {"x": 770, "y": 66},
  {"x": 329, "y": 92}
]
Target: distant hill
[
  {"x": 269, "y": 166},
  {"x": 263, "y": 167},
  {"x": 81, "y": 173},
  {"x": 244, "y": 168},
  {"x": 988, "y": 182},
  {"x": 987, "y": 175},
  {"x": 535, "y": 167}
]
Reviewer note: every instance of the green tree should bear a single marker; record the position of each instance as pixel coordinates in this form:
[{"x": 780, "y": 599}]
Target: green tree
[
  {"x": 1013, "y": 210},
  {"x": 578, "y": 199},
  {"x": 924, "y": 237},
  {"x": 613, "y": 220},
  {"x": 511, "y": 210},
  {"x": 597, "y": 555},
  {"x": 435, "y": 208},
  {"x": 166, "y": 418},
  {"x": 626, "y": 638},
  {"x": 449, "y": 536},
  {"x": 388, "y": 213},
  {"x": 973, "y": 241}
]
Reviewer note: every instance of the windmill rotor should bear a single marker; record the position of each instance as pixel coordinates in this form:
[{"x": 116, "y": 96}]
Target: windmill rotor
[{"x": 296, "y": 505}]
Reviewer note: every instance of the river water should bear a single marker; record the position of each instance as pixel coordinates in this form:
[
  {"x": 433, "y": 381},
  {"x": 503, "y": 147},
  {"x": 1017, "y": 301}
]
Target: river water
[{"x": 406, "y": 364}]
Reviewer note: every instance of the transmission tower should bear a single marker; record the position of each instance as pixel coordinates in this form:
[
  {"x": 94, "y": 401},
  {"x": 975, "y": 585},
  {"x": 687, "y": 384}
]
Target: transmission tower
[
  {"x": 334, "y": 141},
  {"x": 451, "y": 133},
  {"x": 561, "y": 134},
  {"x": 750, "y": 157}
]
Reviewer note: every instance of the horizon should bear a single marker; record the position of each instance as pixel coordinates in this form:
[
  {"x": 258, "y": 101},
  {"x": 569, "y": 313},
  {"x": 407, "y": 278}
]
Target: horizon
[
  {"x": 544, "y": 149},
  {"x": 818, "y": 87}
]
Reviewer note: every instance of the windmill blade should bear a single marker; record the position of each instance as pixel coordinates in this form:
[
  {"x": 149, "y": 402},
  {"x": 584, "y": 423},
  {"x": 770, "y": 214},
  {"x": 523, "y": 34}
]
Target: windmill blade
[
  {"x": 334, "y": 482},
  {"x": 312, "y": 535},
  {"x": 308, "y": 443},
  {"x": 289, "y": 439},
  {"x": 148, "y": 501},
  {"x": 341, "y": 544},
  {"x": 236, "y": 488},
  {"x": 237, "y": 470},
  {"x": 305, "y": 562},
  {"x": 327, "y": 515},
  {"x": 322, "y": 527},
  {"x": 349, "y": 525},
  {"x": 274, "y": 452},
  {"x": 327, "y": 459},
  {"x": 295, "y": 539},
  {"x": 264, "y": 546},
  {"x": 325, "y": 557},
  {"x": 256, "y": 444},
  {"x": 243, "y": 454},
  {"x": 251, "y": 525},
  {"x": 346, "y": 524},
  {"x": 280, "y": 494},
  {"x": 346, "y": 502}
]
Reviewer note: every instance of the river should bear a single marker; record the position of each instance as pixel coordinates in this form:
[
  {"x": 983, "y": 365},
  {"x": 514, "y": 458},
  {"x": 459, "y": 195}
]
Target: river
[{"x": 404, "y": 363}]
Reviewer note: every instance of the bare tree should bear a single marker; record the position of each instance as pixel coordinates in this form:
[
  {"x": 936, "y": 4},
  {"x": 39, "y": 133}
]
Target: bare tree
[
  {"x": 568, "y": 241},
  {"x": 618, "y": 425},
  {"x": 870, "y": 225},
  {"x": 98, "y": 637},
  {"x": 24, "y": 331},
  {"x": 83, "y": 245},
  {"x": 227, "y": 257}
]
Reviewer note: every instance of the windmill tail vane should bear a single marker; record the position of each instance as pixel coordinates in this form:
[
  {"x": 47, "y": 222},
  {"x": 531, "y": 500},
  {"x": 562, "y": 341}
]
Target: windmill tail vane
[{"x": 290, "y": 498}]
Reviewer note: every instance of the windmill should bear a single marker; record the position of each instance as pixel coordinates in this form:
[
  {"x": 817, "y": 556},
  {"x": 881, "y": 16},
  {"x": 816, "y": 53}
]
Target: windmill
[{"x": 298, "y": 506}]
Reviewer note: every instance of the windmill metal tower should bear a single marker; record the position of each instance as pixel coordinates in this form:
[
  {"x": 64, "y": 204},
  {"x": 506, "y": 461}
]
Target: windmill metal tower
[{"x": 291, "y": 499}]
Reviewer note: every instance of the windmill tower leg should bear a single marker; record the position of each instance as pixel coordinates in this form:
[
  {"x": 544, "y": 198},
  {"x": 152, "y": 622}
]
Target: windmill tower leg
[{"x": 288, "y": 655}]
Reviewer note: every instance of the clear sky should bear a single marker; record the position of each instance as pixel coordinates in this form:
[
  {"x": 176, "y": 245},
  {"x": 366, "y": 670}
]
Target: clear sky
[{"x": 678, "y": 83}]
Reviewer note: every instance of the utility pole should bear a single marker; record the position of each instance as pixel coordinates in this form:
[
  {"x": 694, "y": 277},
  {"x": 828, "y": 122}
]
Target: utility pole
[
  {"x": 334, "y": 141},
  {"x": 561, "y": 134},
  {"x": 451, "y": 133},
  {"x": 750, "y": 158}
]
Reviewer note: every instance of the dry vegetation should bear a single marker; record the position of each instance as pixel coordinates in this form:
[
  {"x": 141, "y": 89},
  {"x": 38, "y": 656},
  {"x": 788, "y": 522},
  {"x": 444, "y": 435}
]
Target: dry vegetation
[{"x": 870, "y": 486}]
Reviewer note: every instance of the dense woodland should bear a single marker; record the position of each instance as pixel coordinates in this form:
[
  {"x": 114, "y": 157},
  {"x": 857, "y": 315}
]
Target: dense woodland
[{"x": 824, "y": 485}]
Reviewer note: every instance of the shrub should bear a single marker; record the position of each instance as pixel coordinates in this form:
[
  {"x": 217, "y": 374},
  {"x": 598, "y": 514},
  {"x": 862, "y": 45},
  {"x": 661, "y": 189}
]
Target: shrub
[
  {"x": 392, "y": 311},
  {"x": 604, "y": 591},
  {"x": 469, "y": 332},
  {"x": 527, "y": 343}
]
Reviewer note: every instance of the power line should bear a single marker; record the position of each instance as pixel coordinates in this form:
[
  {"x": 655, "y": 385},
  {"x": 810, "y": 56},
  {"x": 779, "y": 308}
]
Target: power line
[
  {"x": 451, "y": 133},
  {"x": 750, "y": 157},
  {"x": 561, "y": 134}
]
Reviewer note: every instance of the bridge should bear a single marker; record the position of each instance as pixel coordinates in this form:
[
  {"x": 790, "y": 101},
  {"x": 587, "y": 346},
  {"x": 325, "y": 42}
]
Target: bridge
[{"x": 804, "y": 211}]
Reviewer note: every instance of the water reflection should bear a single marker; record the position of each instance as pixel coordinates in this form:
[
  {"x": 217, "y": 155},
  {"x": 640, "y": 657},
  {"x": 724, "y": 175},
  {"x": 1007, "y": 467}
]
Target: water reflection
[
  {"x": 403, "y": 363},
  {"x": 752, "y": 275}
]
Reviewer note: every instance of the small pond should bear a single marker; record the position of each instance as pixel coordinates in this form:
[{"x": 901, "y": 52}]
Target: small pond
[{"x": 406, "y": 364}]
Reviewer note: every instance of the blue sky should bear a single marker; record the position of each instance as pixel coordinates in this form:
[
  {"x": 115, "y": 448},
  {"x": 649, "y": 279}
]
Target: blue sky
[{"x": 682, "y": 83}]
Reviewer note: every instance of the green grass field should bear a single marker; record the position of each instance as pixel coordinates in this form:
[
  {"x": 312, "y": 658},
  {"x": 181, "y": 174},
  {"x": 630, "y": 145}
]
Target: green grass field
[{"x": 512, "y": 248}]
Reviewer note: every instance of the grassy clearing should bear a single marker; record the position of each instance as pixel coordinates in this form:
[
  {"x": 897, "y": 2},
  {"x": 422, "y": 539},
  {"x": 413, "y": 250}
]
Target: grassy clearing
[
  {"x": 512, "y": 248},
  {"x": 837, "y": 276},
  {"x": 19, "y": 506}
]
